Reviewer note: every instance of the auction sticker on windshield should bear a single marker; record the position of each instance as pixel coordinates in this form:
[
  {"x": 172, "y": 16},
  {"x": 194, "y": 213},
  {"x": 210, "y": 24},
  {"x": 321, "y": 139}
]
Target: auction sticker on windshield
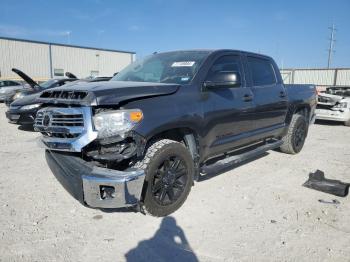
[{"x": 184, "y": 63}]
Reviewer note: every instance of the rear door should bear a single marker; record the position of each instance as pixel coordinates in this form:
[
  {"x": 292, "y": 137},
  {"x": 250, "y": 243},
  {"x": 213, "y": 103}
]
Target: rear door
[{"x": 270, "y": 96}]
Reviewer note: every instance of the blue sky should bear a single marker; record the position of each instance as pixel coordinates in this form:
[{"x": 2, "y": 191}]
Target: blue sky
[{"x": 294, "y": 32}]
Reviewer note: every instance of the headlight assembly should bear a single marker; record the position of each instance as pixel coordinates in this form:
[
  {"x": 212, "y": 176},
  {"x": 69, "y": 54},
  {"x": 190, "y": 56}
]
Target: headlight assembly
[
  {"x": 118, "y": 122},
  {"x": 28, "y": 107},
  {"x": 341, "y": 105},
  {"x": 18, "y": 96}
]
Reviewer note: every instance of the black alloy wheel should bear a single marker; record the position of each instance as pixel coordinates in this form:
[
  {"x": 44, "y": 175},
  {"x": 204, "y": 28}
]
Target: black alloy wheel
[{"x": 169, "y": 181}]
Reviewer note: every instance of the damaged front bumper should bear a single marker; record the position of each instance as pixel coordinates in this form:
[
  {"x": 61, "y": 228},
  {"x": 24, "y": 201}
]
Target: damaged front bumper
[
  {"x": 333, "y": 115},
  {"x": 95, "y": 186}
]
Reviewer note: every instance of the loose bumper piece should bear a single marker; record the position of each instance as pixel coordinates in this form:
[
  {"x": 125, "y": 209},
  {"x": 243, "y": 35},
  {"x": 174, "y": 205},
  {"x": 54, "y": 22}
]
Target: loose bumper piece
[
  {"x": 95, "y": 186},
  {"x": 318, "y": 182}
]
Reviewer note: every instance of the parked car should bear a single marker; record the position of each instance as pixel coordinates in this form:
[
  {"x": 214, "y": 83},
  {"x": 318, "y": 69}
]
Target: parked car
[
  {"x": 35, "y": 87},
  {"x": 9, "y": 88},
  {"x": 5, "y": 83},
  {"x": 23, "y": 110},
  {"x": 143, "y": 137},
  {"x": 334, "y": 104}
]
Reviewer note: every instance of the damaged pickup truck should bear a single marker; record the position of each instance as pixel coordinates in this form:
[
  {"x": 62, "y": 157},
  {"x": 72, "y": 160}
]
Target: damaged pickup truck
[
  {"x": 143, "y": 138},
  {"x": 334, "y": 105}
]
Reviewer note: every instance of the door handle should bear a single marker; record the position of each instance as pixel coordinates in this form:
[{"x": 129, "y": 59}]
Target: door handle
[
  {"x": 247, "y": 98},
  {"x": 282, "y": 94}
]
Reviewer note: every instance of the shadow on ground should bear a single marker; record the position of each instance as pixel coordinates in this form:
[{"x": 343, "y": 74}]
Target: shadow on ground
[
  {"x": 329, "y": 123},
  {"x": 28, "y": 128},
  {"x": 169, "y": 243}
]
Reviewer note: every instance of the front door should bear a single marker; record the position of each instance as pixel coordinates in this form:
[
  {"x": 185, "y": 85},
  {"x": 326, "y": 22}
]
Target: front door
[{"x": 229, "y": 112}]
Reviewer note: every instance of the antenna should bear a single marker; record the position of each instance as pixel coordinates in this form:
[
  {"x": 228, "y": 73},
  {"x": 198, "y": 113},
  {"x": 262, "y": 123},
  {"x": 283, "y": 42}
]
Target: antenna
[{"x": 331, "y": 50}]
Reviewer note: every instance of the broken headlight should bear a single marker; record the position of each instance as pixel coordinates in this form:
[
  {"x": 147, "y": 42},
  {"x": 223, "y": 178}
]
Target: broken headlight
[
  {"x": 117, "y": 122},
  {"x": 341, "y": 105}
]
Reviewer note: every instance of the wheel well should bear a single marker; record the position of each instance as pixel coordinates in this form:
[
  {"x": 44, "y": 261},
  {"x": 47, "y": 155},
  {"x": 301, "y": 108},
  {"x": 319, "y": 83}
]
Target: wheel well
[
  {"x": 186, "y": 136},
  {"x": 304, "y": 110}
]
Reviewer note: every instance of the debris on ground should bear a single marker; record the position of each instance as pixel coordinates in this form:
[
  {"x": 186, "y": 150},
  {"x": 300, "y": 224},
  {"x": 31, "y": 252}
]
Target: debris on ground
[
  {"x": 318, "y": 182},
  {"x": 334, "y": 201}
]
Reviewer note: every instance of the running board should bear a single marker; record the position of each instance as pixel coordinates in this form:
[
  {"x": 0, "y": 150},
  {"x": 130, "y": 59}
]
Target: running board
[{"x": 236, "y": 159}]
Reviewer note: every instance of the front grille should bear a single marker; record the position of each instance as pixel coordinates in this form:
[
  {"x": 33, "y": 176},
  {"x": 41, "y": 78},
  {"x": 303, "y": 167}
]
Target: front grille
[
  {"x": 65, "y": 129},
  {"x": 60, "y": 122},
  {"x": 68, "y": 120},
  {"x": 63, "y": 94}
]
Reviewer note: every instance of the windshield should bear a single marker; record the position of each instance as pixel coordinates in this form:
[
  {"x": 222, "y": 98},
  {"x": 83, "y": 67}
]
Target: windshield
[
  {"x": 48, "y": 83},
  {"x": 173, "y": 67}
]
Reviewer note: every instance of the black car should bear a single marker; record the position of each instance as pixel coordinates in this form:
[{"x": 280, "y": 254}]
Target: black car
[
  {"x": 37, "y": 88},
  {"x": 23, "y": 110}
]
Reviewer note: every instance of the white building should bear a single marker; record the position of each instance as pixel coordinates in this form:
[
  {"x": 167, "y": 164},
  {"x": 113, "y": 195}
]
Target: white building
[{"x": 42, "y": 60}]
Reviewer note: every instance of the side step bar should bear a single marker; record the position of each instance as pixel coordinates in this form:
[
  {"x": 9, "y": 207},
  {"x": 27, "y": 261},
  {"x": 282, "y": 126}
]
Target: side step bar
[{"x": 236, "y": 159}]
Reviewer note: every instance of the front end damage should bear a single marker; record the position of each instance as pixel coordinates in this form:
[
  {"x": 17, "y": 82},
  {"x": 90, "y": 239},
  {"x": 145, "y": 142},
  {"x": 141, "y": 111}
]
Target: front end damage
[
  {"x": 333, "y": 107},
  {"x": 95, "y": 170},
  {"x": 96, "y": 186}
]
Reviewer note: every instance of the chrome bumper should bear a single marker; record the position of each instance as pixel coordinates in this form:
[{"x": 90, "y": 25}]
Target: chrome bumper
[{"x": 95, "y": 186}]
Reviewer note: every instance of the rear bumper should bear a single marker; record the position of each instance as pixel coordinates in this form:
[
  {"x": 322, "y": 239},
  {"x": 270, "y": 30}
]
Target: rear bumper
[{"x": 95, "y": 186}]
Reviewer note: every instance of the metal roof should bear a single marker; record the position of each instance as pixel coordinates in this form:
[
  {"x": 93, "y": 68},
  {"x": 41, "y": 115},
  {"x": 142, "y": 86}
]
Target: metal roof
[{"x": 57, "y": 44}]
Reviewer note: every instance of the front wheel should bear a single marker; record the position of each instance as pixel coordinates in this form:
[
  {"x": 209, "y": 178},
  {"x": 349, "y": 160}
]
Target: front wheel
[
  {"x": 294, "y": 140},
  {"x": 347, "y": 123},
  {"x": 169, "y": 172}
]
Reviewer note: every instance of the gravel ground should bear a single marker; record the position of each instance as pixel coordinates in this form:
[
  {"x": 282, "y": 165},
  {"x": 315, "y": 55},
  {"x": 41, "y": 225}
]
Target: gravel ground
[{"x": 254, "y": 212}]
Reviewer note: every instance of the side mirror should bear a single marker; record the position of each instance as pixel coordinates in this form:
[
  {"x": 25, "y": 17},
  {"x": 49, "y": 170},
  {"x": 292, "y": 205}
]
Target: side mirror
[{"x": 223, "y": 79}]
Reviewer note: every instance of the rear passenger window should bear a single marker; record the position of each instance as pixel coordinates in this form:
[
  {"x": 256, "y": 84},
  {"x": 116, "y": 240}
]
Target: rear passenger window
[{"x": 262, "y": 71}]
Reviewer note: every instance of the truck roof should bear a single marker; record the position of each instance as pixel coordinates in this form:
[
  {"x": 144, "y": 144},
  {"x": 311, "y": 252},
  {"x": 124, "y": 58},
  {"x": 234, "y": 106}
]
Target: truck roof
[{"x": 217, "y": 51}]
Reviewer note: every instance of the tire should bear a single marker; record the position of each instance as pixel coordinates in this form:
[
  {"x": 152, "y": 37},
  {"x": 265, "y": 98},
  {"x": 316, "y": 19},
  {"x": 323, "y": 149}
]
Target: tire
[
  {"x": 347, "y": 123},
  {"x": 294, "y": 140},
  {"x": 169, "y": 172}
]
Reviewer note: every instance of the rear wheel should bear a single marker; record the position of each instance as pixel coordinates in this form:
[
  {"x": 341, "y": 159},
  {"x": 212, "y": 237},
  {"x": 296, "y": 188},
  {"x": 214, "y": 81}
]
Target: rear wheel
[
  {"x": 294, "y": 140},
  {"x": 169, "y": 172}
]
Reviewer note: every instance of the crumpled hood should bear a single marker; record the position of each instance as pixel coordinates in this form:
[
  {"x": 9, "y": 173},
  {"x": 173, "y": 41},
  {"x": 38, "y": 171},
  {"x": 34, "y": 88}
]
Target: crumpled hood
[
  {"x": 329, "y": 99},
  {"x": 106, "y": 93}
]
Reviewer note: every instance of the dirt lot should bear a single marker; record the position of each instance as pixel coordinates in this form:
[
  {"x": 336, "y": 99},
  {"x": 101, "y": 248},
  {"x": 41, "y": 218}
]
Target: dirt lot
[{"x": 254, "y": 212}]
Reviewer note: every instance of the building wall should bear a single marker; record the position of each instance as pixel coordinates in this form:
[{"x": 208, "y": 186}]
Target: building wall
[
  {"x": 34, "y": 59},
  {"x": 319, "y": 77},
  {"x": 81, "y": 62}
]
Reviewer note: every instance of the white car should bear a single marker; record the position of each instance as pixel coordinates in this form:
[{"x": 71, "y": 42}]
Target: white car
[
  {"x": 334, "y": 105},
  {"x": 9, "y": 87}
]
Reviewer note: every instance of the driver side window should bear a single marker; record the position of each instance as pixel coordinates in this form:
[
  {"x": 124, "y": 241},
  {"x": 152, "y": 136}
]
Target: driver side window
[{"x": 229, "y": 63}]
